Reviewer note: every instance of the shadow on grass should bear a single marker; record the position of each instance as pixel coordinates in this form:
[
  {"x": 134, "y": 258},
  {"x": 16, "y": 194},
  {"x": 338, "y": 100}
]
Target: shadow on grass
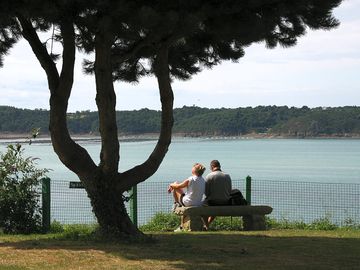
[{"x": 219, "y": 251}]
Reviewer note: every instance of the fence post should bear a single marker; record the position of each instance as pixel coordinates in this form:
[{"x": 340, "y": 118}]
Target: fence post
[
  {"x": 133, "y": 205},
  {"x": 248, "y": 189},
  {"x": 46, "y": 204}
]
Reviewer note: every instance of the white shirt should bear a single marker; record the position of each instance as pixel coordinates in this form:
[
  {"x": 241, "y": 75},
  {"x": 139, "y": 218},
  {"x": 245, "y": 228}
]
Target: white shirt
[{"x": 195, "y": 191}]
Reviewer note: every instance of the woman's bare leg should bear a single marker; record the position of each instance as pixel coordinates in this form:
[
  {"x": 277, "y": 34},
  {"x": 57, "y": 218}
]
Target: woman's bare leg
[{"x": 177, "y": 193}]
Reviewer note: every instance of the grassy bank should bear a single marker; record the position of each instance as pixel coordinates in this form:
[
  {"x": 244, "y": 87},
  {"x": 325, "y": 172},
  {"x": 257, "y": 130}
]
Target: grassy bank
[{"x": 273, "y": 249}]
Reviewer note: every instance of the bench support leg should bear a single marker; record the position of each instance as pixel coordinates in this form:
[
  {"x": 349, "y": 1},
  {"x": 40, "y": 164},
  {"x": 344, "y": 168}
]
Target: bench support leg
[
  {"x": 254, "y": 223},
  {"x": 192, "y": 223}
]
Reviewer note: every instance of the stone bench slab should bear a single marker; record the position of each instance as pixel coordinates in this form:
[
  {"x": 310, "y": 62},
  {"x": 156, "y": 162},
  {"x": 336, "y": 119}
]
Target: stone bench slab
[
  {"x": 228, "y": 210},
  {"x": 253, "y": 215}
]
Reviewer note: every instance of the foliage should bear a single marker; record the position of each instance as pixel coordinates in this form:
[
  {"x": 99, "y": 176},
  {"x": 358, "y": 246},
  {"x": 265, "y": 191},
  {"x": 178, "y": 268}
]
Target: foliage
[
  {"x": 162, "y": 222},
  {"x": 132, "y": 39},
  {"x": 56, "y": 227},
  {"x": 22, "y": 120},
  {"x": 284, "y": 224},
  {"x": 323, "y": 223},
  {"x": 79, "y": 231},
  {"x": 199, "y": 34},
  {"x": 350, "y": 224},
  {"x": 19, "y": 191},
  {"x": 74, "y": 231},
  {"x": 195, "y": 121},
  {"x": 226, "y": 224}
]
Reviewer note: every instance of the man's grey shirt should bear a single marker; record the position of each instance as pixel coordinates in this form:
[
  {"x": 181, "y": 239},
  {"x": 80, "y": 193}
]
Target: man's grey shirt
[{"x": 218, "y": 187}]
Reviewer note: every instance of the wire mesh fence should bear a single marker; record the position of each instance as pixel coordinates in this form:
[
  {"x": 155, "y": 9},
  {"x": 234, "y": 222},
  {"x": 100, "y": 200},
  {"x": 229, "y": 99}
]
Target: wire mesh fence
[
  {"x": 294, "y": 201},
  {"x": 309, "y": 201},
  {"x": 70, "y": 205}
]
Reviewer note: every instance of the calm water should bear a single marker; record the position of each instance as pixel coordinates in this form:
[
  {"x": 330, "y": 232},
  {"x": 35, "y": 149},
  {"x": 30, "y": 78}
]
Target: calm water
[
  {"x": 314, "y": 160},
  {"x": 281, "y": 169}
]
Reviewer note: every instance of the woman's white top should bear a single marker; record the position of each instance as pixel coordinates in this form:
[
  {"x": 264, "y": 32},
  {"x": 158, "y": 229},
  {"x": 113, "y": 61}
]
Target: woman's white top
[{"x": 195, "y": 191}]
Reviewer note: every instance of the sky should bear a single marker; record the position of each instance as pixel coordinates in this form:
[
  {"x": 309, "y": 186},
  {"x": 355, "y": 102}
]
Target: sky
[{"x": 322, "y": 70}]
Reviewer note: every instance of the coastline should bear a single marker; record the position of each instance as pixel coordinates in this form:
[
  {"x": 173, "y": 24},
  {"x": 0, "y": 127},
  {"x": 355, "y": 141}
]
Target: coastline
[{"x": 23, "y": 138}]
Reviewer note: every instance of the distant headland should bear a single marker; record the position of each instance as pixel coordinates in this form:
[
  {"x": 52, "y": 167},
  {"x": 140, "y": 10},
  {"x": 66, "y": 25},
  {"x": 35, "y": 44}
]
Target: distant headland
[{"x": 252, "y": 122}]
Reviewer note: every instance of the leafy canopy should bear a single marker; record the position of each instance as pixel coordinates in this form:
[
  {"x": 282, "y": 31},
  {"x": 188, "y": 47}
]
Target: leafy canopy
[{"x": 200, "y": 34}]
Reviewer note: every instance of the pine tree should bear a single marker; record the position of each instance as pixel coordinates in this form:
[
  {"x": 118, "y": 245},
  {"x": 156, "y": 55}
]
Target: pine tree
[{"x": 131, "y": 39}]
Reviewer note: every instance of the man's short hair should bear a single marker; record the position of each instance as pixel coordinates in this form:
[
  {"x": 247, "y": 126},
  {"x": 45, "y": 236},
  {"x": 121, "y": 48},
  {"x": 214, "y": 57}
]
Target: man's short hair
[{"x": 215, "y": 164}]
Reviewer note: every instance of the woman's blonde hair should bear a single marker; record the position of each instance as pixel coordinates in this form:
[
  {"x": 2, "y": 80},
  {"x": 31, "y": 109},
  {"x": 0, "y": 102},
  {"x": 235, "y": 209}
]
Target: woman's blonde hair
[{"x": 199, "y": 169}]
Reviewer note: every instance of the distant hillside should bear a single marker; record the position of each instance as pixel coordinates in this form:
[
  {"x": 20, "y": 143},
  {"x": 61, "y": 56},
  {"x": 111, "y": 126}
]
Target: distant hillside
[{"x": 195, "y": 121}]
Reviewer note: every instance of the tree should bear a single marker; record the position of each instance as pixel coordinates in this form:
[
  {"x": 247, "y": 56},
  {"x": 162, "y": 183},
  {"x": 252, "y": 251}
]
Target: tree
[{"x": 131, "y": 39}]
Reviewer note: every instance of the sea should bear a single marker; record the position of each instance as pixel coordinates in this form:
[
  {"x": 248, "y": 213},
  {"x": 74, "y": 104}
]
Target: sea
[
  {"x": 314, "y": 160},
  {"x": 302, "y": 179}
]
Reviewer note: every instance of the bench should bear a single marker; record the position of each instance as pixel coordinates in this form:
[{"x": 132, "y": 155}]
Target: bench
[{"x": 253, "y": 215}]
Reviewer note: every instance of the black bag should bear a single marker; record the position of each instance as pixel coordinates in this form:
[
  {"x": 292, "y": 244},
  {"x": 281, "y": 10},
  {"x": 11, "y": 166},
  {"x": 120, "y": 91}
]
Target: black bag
[{"x": 237, "y": 198}]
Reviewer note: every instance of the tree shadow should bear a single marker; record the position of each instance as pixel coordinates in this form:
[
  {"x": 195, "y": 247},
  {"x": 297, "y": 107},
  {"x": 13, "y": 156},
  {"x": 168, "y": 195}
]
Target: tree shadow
[{"x": 220, "y": 251}]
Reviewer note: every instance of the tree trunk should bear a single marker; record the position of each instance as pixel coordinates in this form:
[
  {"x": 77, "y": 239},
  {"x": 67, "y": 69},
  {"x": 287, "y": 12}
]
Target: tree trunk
[
  {"x": 70, "y": 153},
  {"x": 104, "y": 184},
  {"x": 109, "y": 208},
  {"x": 142, "y": 172},
  {"x": 108, "y": 186},
  {"x": 107, "y": 200}
]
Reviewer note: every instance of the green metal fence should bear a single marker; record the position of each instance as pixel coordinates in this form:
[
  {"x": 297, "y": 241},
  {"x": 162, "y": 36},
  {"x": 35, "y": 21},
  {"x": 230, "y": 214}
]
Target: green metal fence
[{"x": 295, "y": 201}]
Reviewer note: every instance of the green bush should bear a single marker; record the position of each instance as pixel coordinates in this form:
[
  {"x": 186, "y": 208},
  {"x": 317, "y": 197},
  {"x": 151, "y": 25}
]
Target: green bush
[
  {"x": 56, "y": 227},
  {"x": 226, "y": 224},
  {"x": 74, "y": 231},
  {"x": 350, "y": 224},
  {"x": 285, "y": 224},
  {"x": 324, "y": 224},
  {"x": 162, "y": 222},
  {"x": 19, "y": 192},
  {"x": 79, "y": 231}
]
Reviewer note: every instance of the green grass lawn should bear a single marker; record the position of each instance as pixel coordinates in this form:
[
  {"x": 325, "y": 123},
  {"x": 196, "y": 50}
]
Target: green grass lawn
[{"x": 273, "y": 249}]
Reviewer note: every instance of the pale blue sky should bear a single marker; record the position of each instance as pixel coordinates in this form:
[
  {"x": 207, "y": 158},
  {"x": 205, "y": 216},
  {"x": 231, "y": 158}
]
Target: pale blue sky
[{"x": 322, "y": 70}]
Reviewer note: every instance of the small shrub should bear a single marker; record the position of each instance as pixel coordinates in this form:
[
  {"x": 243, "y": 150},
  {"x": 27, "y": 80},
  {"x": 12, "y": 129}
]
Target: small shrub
[
  {"x": 226, "y": 224},
  {"x": 318, "y": 224},
  {"x": 162, "y": 222},
  {"x": 79, "y": 231},
  {"x": 285, "y": 224},
  {"x": 350, "y": 224},
  {"x": 56, "y": 227},
  {"x": 19, "y": 192},
  {"x": 323, "y": 224}
]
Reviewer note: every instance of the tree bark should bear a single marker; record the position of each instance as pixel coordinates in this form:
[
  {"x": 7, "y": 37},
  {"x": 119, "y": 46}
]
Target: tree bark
[
  {"x": 106, "y": 198},
  {"x": 104, "y": 184},
  {"x": 107, "y": 201},
  {"x": 106, "y": 100},
  {"x": 70, "y": 153},
  {"x": 142, "y": 172}
]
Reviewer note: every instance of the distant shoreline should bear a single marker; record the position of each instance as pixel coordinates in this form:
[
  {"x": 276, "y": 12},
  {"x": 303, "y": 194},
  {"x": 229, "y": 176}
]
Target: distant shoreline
[{"x": 22, "y": 138}]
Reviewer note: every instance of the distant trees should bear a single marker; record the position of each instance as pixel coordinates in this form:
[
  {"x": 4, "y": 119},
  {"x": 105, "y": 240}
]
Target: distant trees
[
  {"x": 338, "y": 121},
  {"x": 195, "y": 121},
  {"x": 22, "y": 120}
]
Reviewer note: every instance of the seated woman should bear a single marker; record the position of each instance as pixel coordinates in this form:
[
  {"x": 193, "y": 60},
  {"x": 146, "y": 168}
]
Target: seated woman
[{"x": 195, "y": 188}]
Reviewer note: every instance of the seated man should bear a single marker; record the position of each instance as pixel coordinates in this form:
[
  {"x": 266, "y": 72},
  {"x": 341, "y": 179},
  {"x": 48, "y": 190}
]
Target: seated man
[{"x": 217, "y": 189}]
